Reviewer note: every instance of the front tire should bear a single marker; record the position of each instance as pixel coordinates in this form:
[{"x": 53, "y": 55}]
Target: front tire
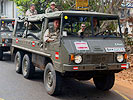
[
  {"x": 1, "y": 54},
  {"x": 27, "y": 67},
  {"x": 52, "y": 80},
  {"x": 104, "y": 82},
  {"x": 18, "y": 61}
]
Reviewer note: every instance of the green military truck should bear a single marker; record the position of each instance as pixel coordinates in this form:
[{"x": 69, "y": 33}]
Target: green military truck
[
  {"x": 6, "y": 30},
  {"x": 97, "y": 54}
]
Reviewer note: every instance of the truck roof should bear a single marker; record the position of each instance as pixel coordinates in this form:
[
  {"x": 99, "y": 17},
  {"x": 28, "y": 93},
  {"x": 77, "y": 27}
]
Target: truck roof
[
  {"x": 79, "y": 13},
  {"x": 58, "y": 14},
  {"x": 10, "y": 19}
]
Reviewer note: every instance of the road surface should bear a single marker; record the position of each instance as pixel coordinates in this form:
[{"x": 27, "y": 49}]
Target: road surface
[{"x": 14, "y": 87}]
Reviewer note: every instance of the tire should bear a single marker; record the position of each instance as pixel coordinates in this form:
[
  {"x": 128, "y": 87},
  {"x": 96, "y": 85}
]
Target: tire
[
  {"x": 27, "y": 67},
  {"x": 1, "y": 54},
  {"x": 104, "y": 82},
  {"x": 18, "y": 61},
  {"x": 52, "y": 80}
]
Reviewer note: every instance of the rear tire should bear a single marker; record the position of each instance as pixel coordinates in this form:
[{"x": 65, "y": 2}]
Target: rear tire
[
  {"x": 1, "y": 54},
  {"x": 27, "y": 67},
  {"x": 52, "y": 80},
  {"x": 18, "y": 61},
  {"x": 104, "y": 82}
]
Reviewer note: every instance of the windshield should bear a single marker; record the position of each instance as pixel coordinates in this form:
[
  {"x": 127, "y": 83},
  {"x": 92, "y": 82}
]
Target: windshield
[
  {"x": 7, "y": 26},
  {"x": 88, "y": 26},
  {"x": 106, "y": 27},
  {"x": 20, "y": 28}
]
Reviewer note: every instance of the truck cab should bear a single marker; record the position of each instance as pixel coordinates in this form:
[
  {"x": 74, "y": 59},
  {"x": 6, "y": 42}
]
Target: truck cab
[
  {"x": 6, "y": 30},
  {"x": 97, "y": 52}
]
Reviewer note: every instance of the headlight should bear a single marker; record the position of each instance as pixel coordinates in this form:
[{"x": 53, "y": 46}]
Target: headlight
[
  {"x": 120, "y": 57},
  {"x": 78, "y": 59}
]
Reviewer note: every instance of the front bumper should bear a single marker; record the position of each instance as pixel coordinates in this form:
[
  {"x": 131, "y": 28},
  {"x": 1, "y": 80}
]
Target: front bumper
[
  {"x": 5, "y": 46},
  {"x": 95, "y": 67}
]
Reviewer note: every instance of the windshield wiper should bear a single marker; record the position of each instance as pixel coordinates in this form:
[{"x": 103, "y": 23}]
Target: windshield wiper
[{"x": 111, "y": 35}]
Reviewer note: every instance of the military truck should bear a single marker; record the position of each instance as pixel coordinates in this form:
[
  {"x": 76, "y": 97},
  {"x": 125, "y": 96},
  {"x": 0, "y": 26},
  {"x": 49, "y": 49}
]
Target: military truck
[
  {"x": 6, "y": 30},
  {"x": 92, "y": 54}
]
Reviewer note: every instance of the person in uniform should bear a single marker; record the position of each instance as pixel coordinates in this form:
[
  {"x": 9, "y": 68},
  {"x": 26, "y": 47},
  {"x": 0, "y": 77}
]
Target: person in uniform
[
  {"x": 52, "y": 36},
  {"x": 96, "y": 28},
  {"x": 31, "y": 11},
  {"x": 52, "y": 8},
  {"x": 82, "y": 29}
]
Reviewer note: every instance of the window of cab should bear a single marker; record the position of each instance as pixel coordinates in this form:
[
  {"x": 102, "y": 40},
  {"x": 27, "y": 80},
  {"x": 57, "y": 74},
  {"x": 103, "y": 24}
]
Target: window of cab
[
  {"x": 75, "y": 25},
  {"x": 6, "y": 26},
  {"x": 33, "y": 30},
  {"x": 20, "y": 28},
  {"x": 91, "y": 26},
  {"x": 29, "y": 29}
]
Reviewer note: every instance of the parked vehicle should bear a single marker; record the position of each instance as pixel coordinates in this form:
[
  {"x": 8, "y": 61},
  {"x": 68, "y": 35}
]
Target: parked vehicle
[{"x": 6, "y": 30}]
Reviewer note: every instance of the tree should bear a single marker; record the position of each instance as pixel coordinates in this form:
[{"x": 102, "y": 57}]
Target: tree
[
  {"x": 107, "y": 6},
  {"x": 25, "y": 4}
]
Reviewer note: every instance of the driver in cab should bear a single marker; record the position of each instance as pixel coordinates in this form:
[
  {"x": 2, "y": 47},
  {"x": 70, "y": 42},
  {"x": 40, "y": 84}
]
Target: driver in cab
[
  {"x": 82, "y": 29},
  {"x": 52, "y": 33}
]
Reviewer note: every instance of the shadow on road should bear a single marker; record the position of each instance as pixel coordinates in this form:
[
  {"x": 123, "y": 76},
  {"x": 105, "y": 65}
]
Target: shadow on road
[
  {"x": 74, "y": 89},
  {"x": 38, "y": 76},
  {"x": 80, "y": 90},
  {"x": 7, "y": 57}
]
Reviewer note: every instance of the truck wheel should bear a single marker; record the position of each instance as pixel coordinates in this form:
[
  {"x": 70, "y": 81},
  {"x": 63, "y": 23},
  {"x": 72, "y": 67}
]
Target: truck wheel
[
  {"x": 52, "y": 80},
  {"x": 18, "y": 61},
  {"x": 27, "y": 67},
  {"x": 1, "y": 54},
  {"x": 104, "y": 82}
]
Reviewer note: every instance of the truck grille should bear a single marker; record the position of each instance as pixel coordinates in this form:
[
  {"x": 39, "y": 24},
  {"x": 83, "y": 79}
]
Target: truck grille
[{"x": 98, "y": 58}]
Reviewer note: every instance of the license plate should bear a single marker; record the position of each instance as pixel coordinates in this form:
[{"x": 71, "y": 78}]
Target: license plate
[{"x": 115, "y": 49}]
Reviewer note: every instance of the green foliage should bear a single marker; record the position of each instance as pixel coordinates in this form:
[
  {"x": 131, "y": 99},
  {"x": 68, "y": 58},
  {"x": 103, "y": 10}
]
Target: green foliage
[
  {"x": 25, "y": 4},
  {"x": 129, "y": 40},
  {"x": 94, "y": 5},
  {"x": 41, "y": 5}
]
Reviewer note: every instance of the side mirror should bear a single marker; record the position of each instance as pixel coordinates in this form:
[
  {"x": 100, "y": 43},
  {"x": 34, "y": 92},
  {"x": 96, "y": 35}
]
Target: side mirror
[{"x": 64, "y": 33}]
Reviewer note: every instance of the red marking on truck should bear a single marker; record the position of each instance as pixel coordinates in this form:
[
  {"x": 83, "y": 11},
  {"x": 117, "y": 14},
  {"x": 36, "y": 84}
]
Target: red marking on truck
[
  {"x": 56, "y": 55},
  {"x": 124, "y": 66},
  {"x": 33, "y": 43},
  {"x": 81, "y": 45},
  {"x": 75, "y": 68},
  {"x": 13, "y": 22},
  {"x": 16, "y": 40}
]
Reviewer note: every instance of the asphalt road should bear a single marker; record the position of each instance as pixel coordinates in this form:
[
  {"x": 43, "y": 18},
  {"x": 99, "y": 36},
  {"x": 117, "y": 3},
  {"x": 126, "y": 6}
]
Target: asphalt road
[{"x": 14, "y": 87}]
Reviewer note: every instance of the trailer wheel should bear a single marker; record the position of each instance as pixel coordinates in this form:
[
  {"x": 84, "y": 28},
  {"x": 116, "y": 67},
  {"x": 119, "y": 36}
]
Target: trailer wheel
[
  {"x": 52, "y": 80},
  {"x": 104, "y": 82},
  {"x": 27, "y": 67},
  {"x": 18, "y": 61},
  {"x": 1, "y": 54}
]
